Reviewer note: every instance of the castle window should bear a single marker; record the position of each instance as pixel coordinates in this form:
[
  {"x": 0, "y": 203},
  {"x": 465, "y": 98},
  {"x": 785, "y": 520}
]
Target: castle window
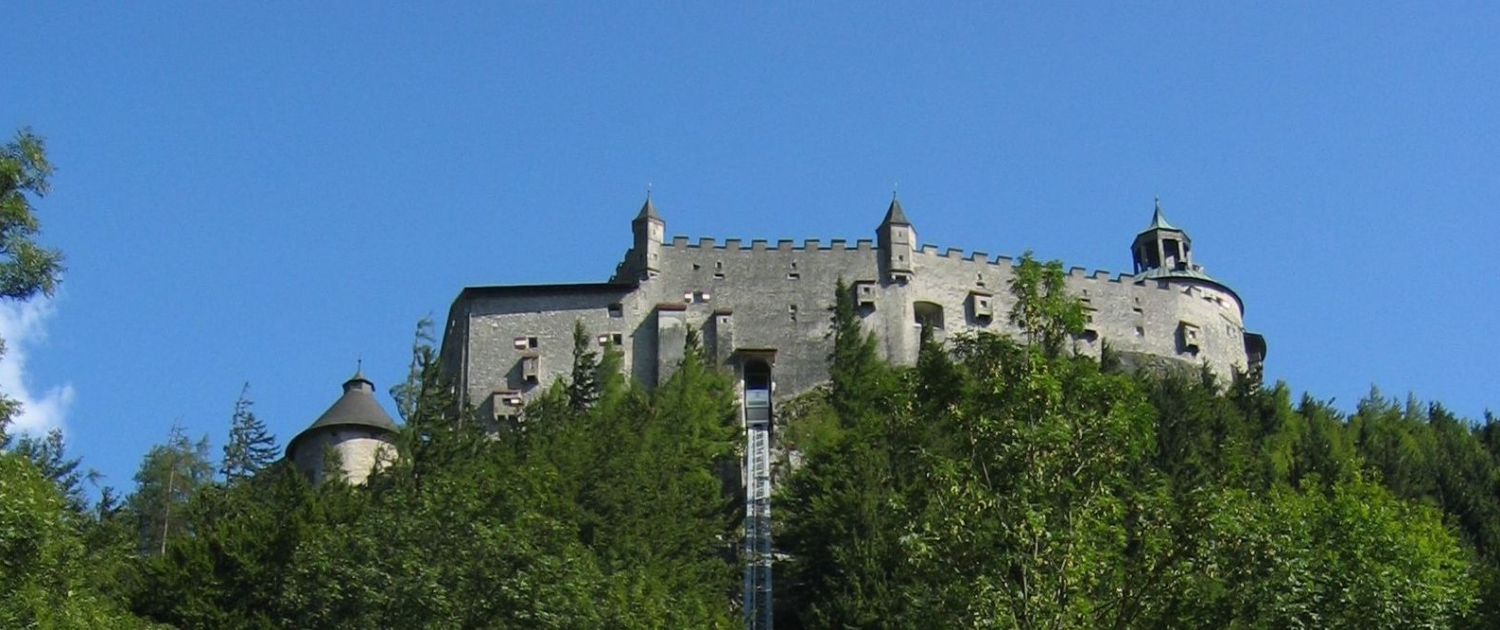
[
  {"x": 1140, "y": 332},
  {"x": 520, "y": 343},
  {"x": 1188, "y": 338},
  {"x": 526, "y": 343},
  {"x": 928, "y": 314},
  {"x": 979, "y": 279},
  {"x": 864, "y": 294},
  {"x": 701, "y": 296},
  {"x": 616, "y": 310},
  {"x": 792, "y": 311},
  {"x": 981, "y": 304},
  {"x": 793, "y": 276},
  {"x": 688, "y": 297},
  {"x": 617, "y": 339},
  {"x": 719, "y": 270},
  {"x": 531, "y": 368}
]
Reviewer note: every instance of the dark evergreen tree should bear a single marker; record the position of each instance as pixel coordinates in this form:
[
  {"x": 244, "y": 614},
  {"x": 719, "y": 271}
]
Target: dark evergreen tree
[
  {"x": 583, "y": 387},
  {"x": 49, "y": 456},
  {"x": 250, "y": 448}
]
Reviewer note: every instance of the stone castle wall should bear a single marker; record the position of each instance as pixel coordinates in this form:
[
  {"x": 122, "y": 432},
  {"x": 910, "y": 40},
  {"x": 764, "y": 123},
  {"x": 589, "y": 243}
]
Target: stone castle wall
[
  {"x": 769, "y": 300},
  {"x": 360, "y": 452}
]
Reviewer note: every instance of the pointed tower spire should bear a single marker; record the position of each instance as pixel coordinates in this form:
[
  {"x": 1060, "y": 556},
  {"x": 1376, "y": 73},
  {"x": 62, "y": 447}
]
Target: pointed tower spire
[
  {"x": 894, "y": 215},
  {"x": 896, "y": 238},
  {"x": 648, "y": 209},
  {"x": 648, "y": 231},
  {"x": 1161, "y": 246},
  {"x": 1159, "y": 222}
]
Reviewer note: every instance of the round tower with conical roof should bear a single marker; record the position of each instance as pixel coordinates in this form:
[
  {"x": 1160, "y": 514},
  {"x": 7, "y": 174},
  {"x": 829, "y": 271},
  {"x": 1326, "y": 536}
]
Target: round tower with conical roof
[{"x": 352, "y": 439}]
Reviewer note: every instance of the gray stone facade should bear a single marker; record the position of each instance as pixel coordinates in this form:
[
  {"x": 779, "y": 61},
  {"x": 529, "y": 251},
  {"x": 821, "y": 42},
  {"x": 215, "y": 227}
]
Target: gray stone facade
[{"x": 763, "y": 301}]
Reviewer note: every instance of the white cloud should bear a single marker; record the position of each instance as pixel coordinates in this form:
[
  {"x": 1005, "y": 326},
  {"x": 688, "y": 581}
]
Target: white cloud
[{"x": 23, "y": 327}]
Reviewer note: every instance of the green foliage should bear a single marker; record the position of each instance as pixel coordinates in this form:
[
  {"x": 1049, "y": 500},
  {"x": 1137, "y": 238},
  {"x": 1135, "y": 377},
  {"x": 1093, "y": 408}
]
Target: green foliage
[
  {"x": 45, "y": 565},
  {"x": 583, "y": 388},
  {"x": 49, "y": 457},
  {"x": 169, "y": 476},
  {"x": 251, "y": 447},
  {"x": 1044, "y": 311},
  {"x": 26, "y": 268},
  {"x": 1002, "y": 485}
]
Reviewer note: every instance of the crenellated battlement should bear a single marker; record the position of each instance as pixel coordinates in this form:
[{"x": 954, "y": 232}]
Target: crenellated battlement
[
  {"x": 760, "y": 245},
  {"x": 766, "y": 298}
]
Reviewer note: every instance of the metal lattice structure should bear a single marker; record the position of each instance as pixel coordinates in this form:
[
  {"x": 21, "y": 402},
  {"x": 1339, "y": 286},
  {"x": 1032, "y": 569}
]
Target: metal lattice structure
[{"x": 757, "y": 595}]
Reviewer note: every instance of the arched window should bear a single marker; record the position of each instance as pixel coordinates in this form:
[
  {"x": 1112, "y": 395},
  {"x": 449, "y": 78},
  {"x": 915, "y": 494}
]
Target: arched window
[{"x": 928, "y": 314}]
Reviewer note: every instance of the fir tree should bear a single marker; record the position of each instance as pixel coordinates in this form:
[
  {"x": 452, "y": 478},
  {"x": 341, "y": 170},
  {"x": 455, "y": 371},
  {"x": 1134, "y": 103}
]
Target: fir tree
[
  {"x": 583, "y": 389},
  {"x": 251, "y": 448}
]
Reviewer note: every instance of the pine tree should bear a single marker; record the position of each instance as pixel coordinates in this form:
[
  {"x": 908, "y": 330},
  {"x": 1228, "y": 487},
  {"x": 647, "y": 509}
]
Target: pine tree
[
  {"x": 49, "y": 457},
  {"x": 583, "y": 389},
  {"x": 251, "y": 448}
]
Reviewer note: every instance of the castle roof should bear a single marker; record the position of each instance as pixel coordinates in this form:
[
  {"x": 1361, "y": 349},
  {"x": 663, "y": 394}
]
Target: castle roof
[
  {"x": 648, "y": 211},
  {"x": 894, "y": 215},
  {"x": 1159, "y": 222},
  {"x": 357, "y": 407}
]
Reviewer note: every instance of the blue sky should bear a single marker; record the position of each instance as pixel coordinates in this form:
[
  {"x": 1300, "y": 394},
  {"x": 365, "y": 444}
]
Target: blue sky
[{"x": 266, "y": 192}]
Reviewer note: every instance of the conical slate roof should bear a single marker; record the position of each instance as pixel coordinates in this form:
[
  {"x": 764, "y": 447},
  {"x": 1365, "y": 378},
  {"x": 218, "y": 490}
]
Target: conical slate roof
[
  {"x": 648, "y": 211},
  {"x": 357, "y": 407},
  {"x": 894, "y": 215}
]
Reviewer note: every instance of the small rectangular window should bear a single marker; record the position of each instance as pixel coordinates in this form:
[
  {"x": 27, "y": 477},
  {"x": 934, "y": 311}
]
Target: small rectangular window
[
  {"x": 531, "y": 342},
  {"x": 794, "y": 276},
  {"x": 617, "y": 310},
  {"x": 618, "y": 339}
]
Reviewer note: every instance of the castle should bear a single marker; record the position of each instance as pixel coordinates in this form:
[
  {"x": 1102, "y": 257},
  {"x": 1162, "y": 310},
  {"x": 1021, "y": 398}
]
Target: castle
[{"x": 762, "y": 310}]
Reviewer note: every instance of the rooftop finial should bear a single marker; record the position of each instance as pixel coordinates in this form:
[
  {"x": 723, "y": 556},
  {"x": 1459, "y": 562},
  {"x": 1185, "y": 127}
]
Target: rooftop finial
[
  {"x": 894, "y": 186},
  {"x": 1159, "y": 222},
  {"x": 359, "y": 366},
  {"x": 648, "y": 191}
]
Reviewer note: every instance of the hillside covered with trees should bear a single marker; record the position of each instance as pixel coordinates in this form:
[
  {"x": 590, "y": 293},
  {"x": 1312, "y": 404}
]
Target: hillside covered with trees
[{"x": 999, "y": 483}]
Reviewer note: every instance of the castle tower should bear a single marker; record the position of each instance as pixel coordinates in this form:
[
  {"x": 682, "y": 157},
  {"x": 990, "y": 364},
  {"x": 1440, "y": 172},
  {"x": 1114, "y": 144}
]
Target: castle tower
[
  {"x": 355, "y": 430},
  {"x": 1162, "y": 246},
  {"x": 897, "y": 239},
  {"x": 649, "y": 231}
]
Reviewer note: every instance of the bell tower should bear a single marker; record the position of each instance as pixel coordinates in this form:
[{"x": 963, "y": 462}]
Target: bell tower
[
  {"x": 897, "y": 240},
  {"x": 1162, "y": 246}
]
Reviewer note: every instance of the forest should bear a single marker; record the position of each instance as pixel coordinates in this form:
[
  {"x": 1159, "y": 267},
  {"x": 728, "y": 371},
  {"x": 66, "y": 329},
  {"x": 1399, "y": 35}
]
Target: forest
[{"x": 998, "y": 483}]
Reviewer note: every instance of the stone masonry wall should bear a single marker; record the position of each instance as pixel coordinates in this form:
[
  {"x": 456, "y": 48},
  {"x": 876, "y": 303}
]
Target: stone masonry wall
[{"x": 776, "y": 296}]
